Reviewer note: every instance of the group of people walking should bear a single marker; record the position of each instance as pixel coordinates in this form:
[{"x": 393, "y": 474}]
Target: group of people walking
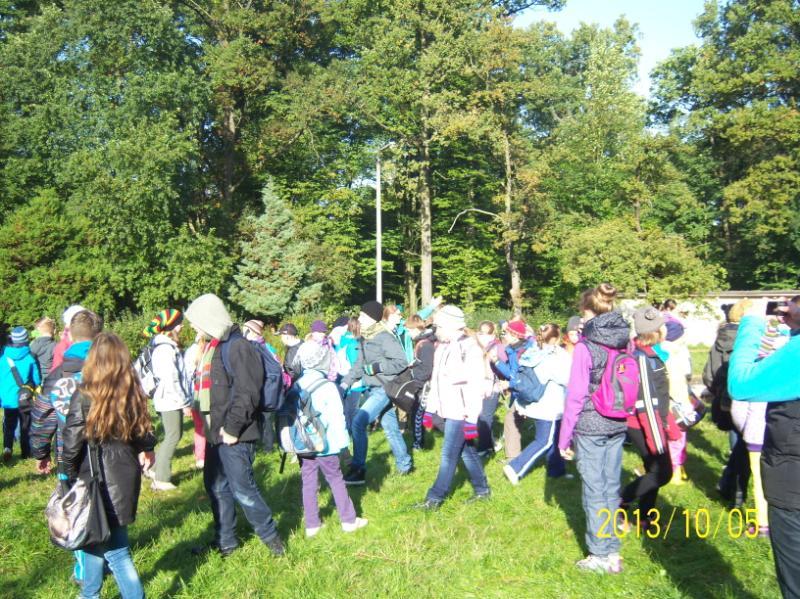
[{"x": 83, "y": 392}]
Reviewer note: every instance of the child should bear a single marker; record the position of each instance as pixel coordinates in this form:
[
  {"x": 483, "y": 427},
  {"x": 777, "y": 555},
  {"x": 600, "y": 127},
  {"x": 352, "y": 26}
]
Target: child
[
  {"x": 44, "y": 345},
  {"x": 17, "y": 368},
  {"x": 598, "y": 440},
  {"x": 648, "y": 428},
  {"x": 314, "y": 359}
]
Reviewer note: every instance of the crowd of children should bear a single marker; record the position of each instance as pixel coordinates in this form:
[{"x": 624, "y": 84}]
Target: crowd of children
[{"x": 585, "y": 388}]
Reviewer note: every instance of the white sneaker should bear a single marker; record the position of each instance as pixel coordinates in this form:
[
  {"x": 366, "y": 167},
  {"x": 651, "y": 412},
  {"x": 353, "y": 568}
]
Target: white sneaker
[
  {"x": 199, "y": 464},
  {"x": 614, "y": 563},
  {"x": 511, "y": 474},
  {"x": 150, "y": 473},
  {"x": 594, "y": 563},
  {"x": 498, "y": 445},
  {"x": 354, "y": 526},
  {"x": 312, "y": 532},
  {"x": 162, "y": 486}
]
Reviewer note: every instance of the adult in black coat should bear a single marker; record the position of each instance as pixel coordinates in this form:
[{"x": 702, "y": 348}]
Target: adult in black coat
[{"x": 237, "y": 377}]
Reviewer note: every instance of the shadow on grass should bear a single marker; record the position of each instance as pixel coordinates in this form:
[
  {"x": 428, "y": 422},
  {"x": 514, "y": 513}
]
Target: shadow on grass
[
  {"x": 702, "y": 474},
  {"x": 694, "y": 565}
]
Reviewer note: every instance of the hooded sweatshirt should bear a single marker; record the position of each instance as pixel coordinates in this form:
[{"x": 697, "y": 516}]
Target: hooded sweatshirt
[
  {"x": 381, "y": 349},
  {"x": 715, "y": 373},
  {"x": 26, "y": 367},
  {"x": 208, "y": 314},
  {"x": 607, "y": 330}
]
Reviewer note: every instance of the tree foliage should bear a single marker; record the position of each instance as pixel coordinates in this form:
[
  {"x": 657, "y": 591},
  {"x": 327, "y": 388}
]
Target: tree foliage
[{"x": 151, "y": 151}]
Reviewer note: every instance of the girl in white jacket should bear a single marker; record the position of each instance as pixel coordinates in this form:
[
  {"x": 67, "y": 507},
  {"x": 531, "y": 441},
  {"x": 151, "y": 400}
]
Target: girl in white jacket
[
  {"x": 456, "y": 396},
  {"x": 171, "y": 397},
  {"x": 552, "y": 365}
]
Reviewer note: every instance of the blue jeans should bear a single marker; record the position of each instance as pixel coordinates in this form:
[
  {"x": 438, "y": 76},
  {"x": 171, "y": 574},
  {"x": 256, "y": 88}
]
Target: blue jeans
[
  {"x": 117, "y": 552},
  {"x": 228, "y": 476},
  {"x": 350, "y": 405},
  {"x": 377, "y": 402},
  {"x": 544, "y": 443},
  {"x": 453, "y": 447},
  {"x": 600, "y": 466}
]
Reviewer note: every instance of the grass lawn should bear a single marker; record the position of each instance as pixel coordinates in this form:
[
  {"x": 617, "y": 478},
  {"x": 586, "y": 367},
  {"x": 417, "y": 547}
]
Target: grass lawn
[{"x": 522, "y": 543}]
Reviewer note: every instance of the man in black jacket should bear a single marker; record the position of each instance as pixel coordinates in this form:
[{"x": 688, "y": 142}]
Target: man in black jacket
[{"x": 237, "y": 376}]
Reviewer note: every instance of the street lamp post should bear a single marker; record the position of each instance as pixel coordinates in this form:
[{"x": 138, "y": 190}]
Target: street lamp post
[{"x": 378, "y": 232}]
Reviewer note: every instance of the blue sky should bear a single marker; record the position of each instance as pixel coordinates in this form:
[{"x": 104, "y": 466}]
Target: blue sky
[{"x": 663, "y": 25}]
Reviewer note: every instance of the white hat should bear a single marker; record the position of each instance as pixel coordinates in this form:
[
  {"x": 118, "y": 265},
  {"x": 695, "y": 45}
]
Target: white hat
[
  {"x": 70, "y": 312},
  {"x": 450, "y": 317},
  {"x": 208, "y": 314}
]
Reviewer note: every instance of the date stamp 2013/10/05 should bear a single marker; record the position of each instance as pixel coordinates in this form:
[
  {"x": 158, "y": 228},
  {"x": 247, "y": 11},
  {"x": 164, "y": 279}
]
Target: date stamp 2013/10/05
[{"x": 686, "y": 523}]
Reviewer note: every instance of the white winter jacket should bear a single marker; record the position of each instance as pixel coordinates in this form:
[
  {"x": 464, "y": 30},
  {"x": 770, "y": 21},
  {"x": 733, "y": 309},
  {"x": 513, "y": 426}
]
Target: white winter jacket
[
  {"x": 168, "y": 367},
  {"x": 457, "y": 382},
  {"x": 552, "y": 365}
]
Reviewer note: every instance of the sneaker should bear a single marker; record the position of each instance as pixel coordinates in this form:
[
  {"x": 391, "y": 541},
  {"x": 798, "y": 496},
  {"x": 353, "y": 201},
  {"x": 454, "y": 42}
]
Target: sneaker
[
  {"x": 479, "y": 497},
  {"x": 427, "y": 505},
  {"x": 276, "y": 546},
  {"x": 593, "y": 563},
  {"x": 158, "y": 485},
  {"x": 614, "y": 561},
  {"x": 6, "y": 455},
  {"x": 313, "y": 532},
  {"x": 355, "y": 476},
  {"x": 354, "y": 526},
  {"x": 511, "y": 474},
  {"x": 762, "y": 532},
  {"x": 150, "y": 473},
  {"x": 213, "y": 546},
  {"x": 200, "y": 464},
  {"x": 498, "y": 445}
]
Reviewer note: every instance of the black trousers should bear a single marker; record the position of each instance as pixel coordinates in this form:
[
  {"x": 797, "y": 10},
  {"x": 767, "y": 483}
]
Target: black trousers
[
  {"x": 12, "y": 416},
  {"x": 784, "y": 534},
  {"x": 736, "y": 475},
  {"x": 658, "y": 472}
]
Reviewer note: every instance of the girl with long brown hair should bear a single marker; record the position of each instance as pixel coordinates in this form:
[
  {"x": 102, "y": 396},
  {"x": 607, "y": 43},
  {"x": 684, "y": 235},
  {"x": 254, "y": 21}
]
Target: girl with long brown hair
[{"x": 109, "y": 411}]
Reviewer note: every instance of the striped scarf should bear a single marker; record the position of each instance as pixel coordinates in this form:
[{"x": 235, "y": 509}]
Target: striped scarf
[{"x": 202, "y": 377}]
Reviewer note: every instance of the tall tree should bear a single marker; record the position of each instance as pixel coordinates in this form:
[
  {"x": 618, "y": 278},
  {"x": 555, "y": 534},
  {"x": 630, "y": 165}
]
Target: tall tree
[{"x": 735, "y": 99}]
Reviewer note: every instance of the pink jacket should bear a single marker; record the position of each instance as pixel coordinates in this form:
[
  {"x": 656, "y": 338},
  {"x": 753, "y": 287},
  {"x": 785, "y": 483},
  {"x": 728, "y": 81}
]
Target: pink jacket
[{"x": 457, "y": 383}]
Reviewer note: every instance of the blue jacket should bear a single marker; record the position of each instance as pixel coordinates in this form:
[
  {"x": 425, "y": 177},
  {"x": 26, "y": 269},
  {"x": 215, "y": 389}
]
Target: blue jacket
[
  {"x": 508, "y": 370},
  {"x": 772, "y": 379},
  {"x": 327, "y": 401},
  {"x": 28, "y": 371}
]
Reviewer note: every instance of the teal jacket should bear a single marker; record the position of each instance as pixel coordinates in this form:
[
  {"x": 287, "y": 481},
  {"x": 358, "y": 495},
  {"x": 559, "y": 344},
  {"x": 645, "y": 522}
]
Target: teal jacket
[
  {"x": 28, "y": 371},
  {"x": 772, "y": 379}
]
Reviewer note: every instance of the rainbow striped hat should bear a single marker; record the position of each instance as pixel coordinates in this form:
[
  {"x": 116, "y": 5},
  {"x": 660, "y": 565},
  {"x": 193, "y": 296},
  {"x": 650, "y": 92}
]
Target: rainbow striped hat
[{"x": 164, "y": 321}]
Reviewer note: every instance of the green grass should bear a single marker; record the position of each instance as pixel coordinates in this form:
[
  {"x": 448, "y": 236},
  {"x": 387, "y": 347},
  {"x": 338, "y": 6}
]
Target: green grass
[
  {"x": 522, "y": 543},
  {"x": 699, "y": 355}
]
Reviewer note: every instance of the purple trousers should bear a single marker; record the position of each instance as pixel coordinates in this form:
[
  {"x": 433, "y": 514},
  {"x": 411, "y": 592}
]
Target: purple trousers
[{"x": 329, "y": 465}]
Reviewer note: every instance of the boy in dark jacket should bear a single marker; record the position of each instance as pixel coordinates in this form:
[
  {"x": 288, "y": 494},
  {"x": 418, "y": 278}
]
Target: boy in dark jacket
[
  {"x": 234, "y": 429},
  {"x": 43, "y": 346}
]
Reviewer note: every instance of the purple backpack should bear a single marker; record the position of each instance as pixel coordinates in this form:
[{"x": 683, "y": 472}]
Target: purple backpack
[{"x": 616, "y": 395}]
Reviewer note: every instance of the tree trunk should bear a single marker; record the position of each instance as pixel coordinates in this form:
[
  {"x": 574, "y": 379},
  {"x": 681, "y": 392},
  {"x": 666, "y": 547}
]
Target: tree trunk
[
  {"x": 513, "y": 267},
  {"x": 228, "y": 154},
  {"x": 425, "y": 222}
]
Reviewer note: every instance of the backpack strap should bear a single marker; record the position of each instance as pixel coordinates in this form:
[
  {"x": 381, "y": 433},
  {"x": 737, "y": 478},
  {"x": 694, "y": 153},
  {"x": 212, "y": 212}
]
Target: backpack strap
[
  {"x": 225, "y": 352},
  {"x": 15, "y": 373}
]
